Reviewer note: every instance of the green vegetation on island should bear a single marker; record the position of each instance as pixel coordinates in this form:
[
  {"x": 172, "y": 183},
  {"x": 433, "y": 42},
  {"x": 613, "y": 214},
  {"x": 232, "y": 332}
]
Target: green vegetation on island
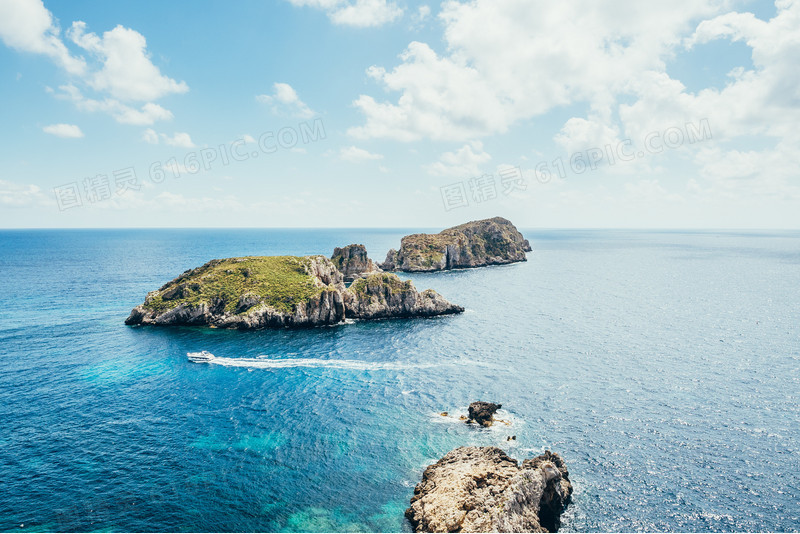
[{"x": 238, "y": 284}]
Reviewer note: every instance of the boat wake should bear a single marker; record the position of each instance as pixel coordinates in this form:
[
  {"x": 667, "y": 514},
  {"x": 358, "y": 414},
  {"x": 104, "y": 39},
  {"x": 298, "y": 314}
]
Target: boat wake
[
  {"x": 283, "y": 363},
  {"x": 358, "y": 365}
]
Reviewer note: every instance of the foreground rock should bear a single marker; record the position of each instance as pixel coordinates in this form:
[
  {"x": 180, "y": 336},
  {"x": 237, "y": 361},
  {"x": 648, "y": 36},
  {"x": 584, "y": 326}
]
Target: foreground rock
[
  {"x": 483, "y": 412},
  {"x": 474, "y": 244},
  {"x": 353, "y": 262},
  {"x": 280, "y": 291},
  {"x": 481, "y": 489}
]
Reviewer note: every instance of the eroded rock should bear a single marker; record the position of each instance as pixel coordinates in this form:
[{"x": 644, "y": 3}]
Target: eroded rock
[
  {"x": 353, "y": 262},
  {"x": 475, "y": 244},
  {"x": 482, "y": 489}
]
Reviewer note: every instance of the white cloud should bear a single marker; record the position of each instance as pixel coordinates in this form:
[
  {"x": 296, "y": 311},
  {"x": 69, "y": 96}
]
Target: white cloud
[
  {"x": 357, "y": 155},
  {"x": 648, "y": 191},
  {"x": 28, "y": 26},
  {"x": 506, "y": 62},
  {"x": 179, "y": 139},
  {"x": 284, "y": 97},
  {"x": 150, "y": 136},
  {"x": 465, "y": 162},
  {"x": 119, "y": 69},
  {"x": 441, "y": 99},
  {"x": 579, "y": 134},
  {"x": 18, "y": 195},
  {"x": 319, "y": 4},
  {"x": 747, "y": 174},
  {"x": 69, "y": 131},
  {"x": 360, "y": 13},
  {"x": 366, "y": 13},
  {"x": 127, "y": 72},
  {"x": 148, "y": 114},
  {"x": 184, "y": 203},
  {"x": 423, "y": 12}
]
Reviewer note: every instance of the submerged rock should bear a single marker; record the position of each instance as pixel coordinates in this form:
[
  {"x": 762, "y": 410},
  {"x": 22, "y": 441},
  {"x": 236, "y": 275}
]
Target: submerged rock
[
  {"x": 279, "y": 291},
  {"x": 483, "y": 412},
  {"x": 353, "y": 262},
  {"x": 482, "y": 489},
  {"x": 474, "y": 244}
]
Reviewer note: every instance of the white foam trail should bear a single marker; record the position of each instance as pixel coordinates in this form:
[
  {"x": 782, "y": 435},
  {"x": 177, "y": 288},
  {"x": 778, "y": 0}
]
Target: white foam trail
[{"x": 359, "y": 365}]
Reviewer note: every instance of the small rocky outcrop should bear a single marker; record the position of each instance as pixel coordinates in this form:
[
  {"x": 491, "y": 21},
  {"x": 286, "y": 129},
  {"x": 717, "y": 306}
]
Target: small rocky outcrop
[
  {"x": 483, "y": 412},
  {"x": 475, "y": 244},
  {"x": 280, "y": 291},
  {"x": 378, "y": 296},
  {"x": 482, "y": 489},
  {"x": 353, "y": 262}
]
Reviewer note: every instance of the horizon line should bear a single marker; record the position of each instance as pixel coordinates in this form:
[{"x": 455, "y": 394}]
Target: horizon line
[{"x": 641, "y": 228}]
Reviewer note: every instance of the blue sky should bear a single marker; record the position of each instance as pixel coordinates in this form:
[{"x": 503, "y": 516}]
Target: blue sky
[{"x": 384, "y": 113}]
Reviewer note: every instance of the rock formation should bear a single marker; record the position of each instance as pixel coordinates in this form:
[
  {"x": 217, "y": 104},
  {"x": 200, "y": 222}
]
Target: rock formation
[
  {"x": 474, "y": 244},
  {"x": 556, "y": 496},
  {"x": 483, "y": 412},
  {"x": 382, "y": 295},
  {"x": 481, "y": 489},
  {"x": 280, "y": 291},
  {"x": 353, "y": 262}
]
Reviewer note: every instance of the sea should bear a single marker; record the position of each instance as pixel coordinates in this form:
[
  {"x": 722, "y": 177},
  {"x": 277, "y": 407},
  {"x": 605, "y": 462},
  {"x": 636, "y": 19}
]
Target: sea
[{"x": 663, "y": 366}]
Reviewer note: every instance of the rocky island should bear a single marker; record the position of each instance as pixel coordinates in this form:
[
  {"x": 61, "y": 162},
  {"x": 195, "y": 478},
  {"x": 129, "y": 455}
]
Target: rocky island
[
  {"x": 482, "y": 413},
  {"x": 280, "y": 291},
  {"x": 474, "y": 244},
  {"x": 482, "y": 489}
]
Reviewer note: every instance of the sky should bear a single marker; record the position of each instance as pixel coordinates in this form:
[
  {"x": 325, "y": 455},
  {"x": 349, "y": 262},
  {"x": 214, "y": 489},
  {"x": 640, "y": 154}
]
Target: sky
[{"x": 392, "y": 113}]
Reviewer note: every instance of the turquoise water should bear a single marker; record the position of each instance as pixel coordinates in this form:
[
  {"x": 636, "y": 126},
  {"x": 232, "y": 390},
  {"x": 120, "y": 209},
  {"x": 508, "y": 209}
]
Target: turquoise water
[{"x": 663, "y": 366}]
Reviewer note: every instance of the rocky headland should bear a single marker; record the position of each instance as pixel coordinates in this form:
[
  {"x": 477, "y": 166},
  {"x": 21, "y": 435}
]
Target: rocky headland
[
  {"x": 482, "y": 489},
  {"x": 281, "y": 291},
  {"x": 475, "y": 244}
]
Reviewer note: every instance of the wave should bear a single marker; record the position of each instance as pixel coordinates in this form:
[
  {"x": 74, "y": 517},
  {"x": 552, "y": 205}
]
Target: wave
[{"x": 359, "y": 365}]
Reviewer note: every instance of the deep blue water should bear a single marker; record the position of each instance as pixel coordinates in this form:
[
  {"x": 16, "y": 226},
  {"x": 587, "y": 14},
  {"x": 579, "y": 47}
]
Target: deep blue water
[{"x": 663, "y": 366}]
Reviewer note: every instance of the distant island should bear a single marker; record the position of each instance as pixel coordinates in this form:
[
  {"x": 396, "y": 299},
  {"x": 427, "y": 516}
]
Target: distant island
[
  {"x": 294, "y": 291},
  {"x": 492, "y": 241}
]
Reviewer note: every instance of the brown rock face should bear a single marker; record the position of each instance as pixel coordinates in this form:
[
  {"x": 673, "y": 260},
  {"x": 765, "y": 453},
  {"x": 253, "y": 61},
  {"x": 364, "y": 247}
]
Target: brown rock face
[
  {"x": 481, "y": 489},
  {"x": 487, "y": 242},
  {"x": 382, "y": 295},
  {"x": 556, "y": 496},
  {"x": 353, "y": 262},
  {"x": 483, "y": 412}
]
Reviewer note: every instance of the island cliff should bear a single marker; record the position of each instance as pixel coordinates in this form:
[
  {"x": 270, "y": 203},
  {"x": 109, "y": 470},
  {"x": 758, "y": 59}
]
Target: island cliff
[
  {"x": 474, "y": 244},
  {"x": 279, "y": 291},
  {"x": 482, "y": 489},
  {"x": 384, "y": 295},
  {"x": 353, "y": 262}
]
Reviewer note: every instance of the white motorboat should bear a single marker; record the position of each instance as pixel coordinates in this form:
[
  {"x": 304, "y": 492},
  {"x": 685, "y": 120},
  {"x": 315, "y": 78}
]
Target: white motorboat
[{"x": 200, "y": 357}]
